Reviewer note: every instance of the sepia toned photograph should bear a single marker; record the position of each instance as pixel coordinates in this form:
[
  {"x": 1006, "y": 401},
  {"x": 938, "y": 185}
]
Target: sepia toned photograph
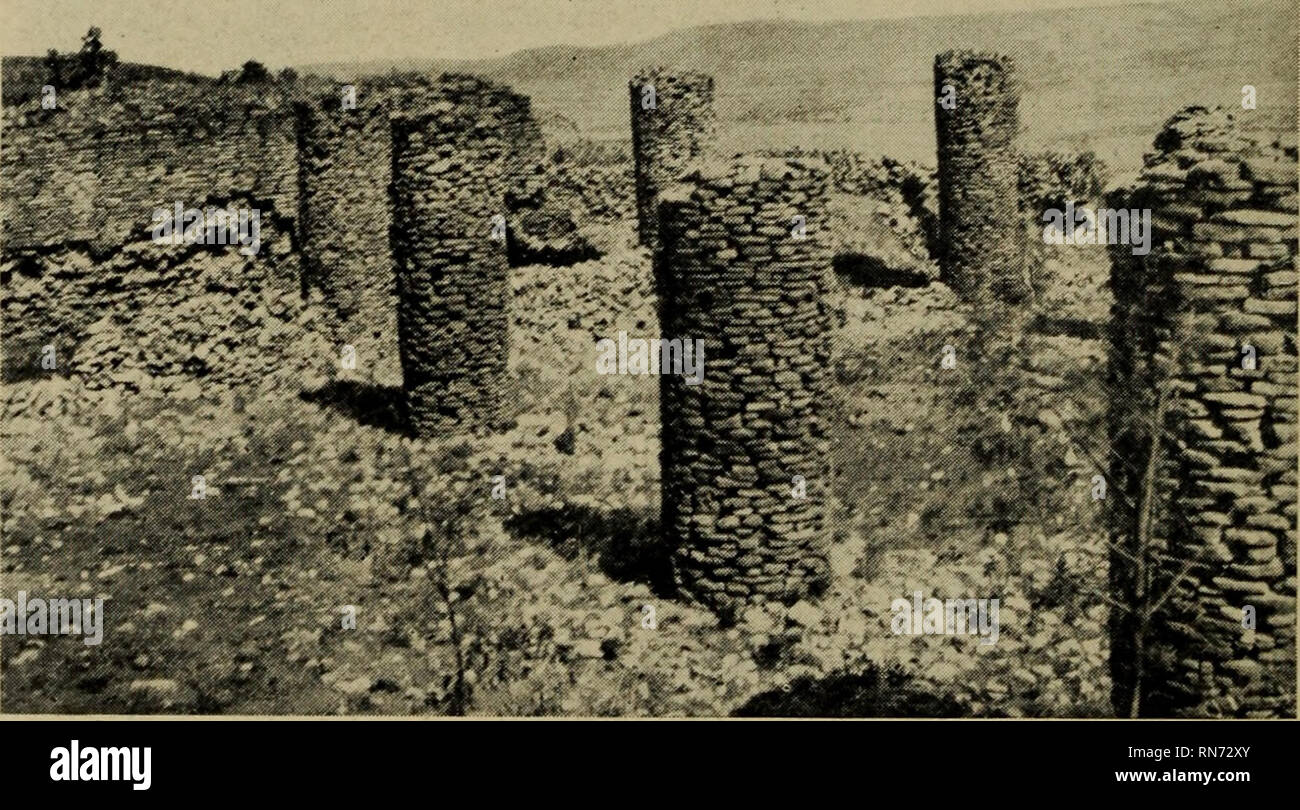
[{"x": 649, "y": 360}]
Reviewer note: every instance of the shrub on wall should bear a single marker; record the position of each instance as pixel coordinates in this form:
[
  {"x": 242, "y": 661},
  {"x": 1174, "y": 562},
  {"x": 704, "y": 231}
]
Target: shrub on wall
[{"x": 86, "y": 68}]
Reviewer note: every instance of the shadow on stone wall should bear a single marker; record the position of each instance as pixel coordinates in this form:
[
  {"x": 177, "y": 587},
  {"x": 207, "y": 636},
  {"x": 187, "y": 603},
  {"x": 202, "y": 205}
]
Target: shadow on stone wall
[{"x": 863, "y": 270}]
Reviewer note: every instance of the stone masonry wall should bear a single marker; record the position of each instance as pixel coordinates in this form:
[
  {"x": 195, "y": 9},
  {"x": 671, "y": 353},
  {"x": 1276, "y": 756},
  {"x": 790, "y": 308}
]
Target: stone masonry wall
[
  {"x": 1209, "y": 317},
  {"x": 345, "y": 158},
  {"x": 452, "y": 277},
  {"x": 175, "y": 320},
  {"x": 680, "y": 129},
  {"x": 345, "y": 165},
  {"x": 980, "y": 235},
  {"x": 733, "y": 274},
  {"x": 84, "y": 180},
  {"x": 94, "y": 170}
]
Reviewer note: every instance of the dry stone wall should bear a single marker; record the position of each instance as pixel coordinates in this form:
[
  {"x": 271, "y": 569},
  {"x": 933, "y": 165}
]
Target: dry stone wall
[
  {"x": 452, "y": 276},
  {"x": 680, "y": 128},
  {"x": 980, "y": 235},
  {"x": 1208, "y": 318},
  {"x": 595, "y": 178},
  {"x": 745, "y": 453},
  {"x": 345, "y": 167},
  {"x": 86, "y": 178},
  {"x": 345, "y": 163},
  {"x": 94, "y": 170},
  {"x": 176, "y": 320},
  {"x": 80, "y": 182}
]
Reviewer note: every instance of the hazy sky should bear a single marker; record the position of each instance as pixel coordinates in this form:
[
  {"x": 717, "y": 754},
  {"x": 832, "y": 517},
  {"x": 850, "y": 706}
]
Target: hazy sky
[{"x": 211, "y": 35}]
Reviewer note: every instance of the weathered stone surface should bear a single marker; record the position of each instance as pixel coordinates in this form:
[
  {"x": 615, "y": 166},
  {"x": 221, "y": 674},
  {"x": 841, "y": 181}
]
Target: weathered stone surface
[
  {"x": 89, "y": 177},
  {"x": 345, "y": 172},
  {"x": 981, "y": 236},
  {"x": 1229, "y": 431},
  {"x": 453, "y": 283},
  {"x": 745, "y": 452},
  {"x": 673, "y": 125},
  {"x": 1247, "y": 216}
]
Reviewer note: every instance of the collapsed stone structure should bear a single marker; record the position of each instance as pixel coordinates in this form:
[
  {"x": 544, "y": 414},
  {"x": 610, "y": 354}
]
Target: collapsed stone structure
[
  {"x": 345, "y": 171},
  {"x": 79, "y": 182},
  {"x": 981, "y": 239},
  {"x": 673, "y": 125},
  {"x": 594, "y": 178},
  {"x": 745, "y": 453},
  {"x": 453, "y": 281},
  {"x": 1204, "y": 338},
  {"x": 1203, "y": 335},
  {"x": 170, "y": 316}
]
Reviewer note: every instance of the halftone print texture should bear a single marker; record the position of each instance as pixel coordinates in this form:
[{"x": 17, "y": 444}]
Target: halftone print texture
[{"x": 650, "y": 360}]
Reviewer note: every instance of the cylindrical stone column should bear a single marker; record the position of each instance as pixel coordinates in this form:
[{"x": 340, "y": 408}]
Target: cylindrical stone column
[
  {"x": 980, "y": 232},
  {"x": 452, "y": 278},
  {"x": 673, "y": 125},
  {"x": 1205, "y": 333},
  {"x": 343, "y": 176},
  {"x": 744, "y": 452}
]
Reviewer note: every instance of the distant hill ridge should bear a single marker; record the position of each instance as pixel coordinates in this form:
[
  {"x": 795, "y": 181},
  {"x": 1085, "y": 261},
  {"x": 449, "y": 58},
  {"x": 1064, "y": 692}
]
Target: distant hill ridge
[{"x": 1100, "y": 79}]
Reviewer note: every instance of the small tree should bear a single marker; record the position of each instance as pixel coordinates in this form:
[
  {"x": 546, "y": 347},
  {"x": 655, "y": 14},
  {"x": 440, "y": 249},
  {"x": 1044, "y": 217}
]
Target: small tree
[
  {"x": 253, "y": 72},
  {"x": 53, "y": 68},
  {"x": 446, "y": 515},
  {"x": 92, "y": 63}
]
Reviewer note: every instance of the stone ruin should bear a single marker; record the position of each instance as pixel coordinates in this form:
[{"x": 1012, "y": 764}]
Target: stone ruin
[
  {"x": 745, "y": 453},
  {"x": 344, "y": 172},
  {"x": 1204, "y": 347},
  {"x": 980, "y": 232},
  {"x": 453, "y": 284},
  {"x": 79, "y": 185},
  {"x": 673, "y": 125},
  {"x": 344, "y": 176},
  {"x": 84, "y": 172},
  {"x": 1208, "y": 318},
  {"x": 1203, "y": 338}
]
